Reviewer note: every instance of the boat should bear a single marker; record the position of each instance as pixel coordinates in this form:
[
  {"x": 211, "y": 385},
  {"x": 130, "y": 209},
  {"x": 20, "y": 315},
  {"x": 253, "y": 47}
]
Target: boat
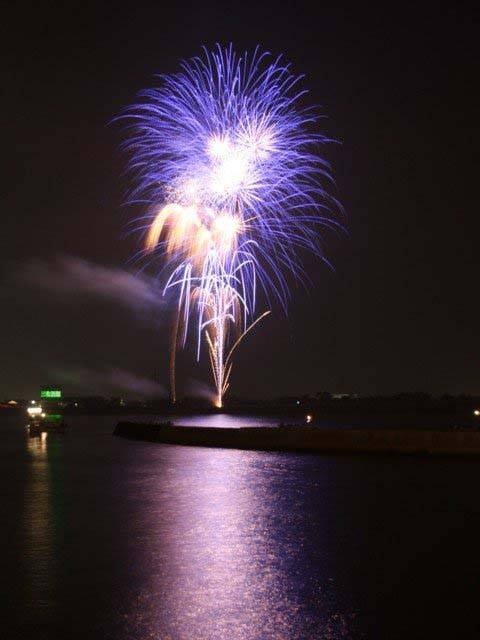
[{"x": 41, "y": 422}]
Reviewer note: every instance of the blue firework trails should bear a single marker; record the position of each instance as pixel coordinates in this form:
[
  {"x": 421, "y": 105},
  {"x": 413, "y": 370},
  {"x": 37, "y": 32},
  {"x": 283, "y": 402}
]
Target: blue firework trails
[{"x": 227, "y": 158}]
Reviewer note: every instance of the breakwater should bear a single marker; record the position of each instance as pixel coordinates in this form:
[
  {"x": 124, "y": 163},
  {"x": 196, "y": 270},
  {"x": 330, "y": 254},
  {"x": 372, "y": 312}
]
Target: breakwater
[{"x": 299, "y": 438}]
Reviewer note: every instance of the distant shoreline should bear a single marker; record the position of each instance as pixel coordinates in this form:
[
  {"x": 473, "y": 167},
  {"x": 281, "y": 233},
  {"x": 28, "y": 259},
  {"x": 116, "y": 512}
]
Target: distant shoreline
[{"x": 305, "y": 439}]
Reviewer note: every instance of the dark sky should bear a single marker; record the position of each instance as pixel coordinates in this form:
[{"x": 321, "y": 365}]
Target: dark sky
[{"x": 400, "y": 311}]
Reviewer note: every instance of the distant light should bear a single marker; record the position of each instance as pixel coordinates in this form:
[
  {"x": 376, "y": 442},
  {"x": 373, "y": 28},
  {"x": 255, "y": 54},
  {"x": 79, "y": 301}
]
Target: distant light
[
  {"x": 33, "y": 402},
  {"x": 476, "y": 412},
  {"x": 34, "y": 411},
  {"x": 43, "y": 415},
  {"x": 298, "y": 401},
  {"x": 51, "y": 393},
  {"x": 308, "y": 419}
]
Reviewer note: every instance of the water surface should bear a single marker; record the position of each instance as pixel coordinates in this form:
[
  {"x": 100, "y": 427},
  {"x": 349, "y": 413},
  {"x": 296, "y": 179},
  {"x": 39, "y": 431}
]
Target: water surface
[{"x": 106, "y": 538}]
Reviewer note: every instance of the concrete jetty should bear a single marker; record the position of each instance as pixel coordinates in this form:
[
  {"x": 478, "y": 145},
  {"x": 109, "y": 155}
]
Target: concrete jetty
[{"x": 301, "y": 438}]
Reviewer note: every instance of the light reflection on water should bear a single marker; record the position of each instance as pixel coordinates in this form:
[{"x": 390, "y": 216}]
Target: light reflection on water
[
  {"x": 223, "y": 571},
  {"x": 39, "y": 553}
]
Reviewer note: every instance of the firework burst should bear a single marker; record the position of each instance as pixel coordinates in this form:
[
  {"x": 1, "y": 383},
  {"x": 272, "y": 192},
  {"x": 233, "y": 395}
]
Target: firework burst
[{"x": 228, "y": 163}]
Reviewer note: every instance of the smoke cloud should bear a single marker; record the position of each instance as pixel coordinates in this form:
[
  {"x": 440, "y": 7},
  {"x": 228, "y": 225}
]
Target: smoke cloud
[
  {"x": 198, "y": 389},
  {"x": 68, "y": 275},
  {"x": 107, "y": 381}
]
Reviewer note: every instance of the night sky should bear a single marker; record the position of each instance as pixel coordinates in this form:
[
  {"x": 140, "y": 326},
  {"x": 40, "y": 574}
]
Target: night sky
[{"x": 401, "y": 309}]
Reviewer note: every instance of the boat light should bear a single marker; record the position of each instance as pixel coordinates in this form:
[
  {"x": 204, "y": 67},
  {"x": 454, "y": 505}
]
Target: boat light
[{"x": 34, "y": 411}]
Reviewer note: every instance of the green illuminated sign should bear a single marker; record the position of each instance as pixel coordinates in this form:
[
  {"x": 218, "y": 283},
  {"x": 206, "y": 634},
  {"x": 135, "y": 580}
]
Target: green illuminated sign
[{"x": 50, "y": 393}]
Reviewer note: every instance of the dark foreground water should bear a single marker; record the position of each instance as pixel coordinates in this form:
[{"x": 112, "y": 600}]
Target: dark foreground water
[{"x": 105, "y": 538}]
